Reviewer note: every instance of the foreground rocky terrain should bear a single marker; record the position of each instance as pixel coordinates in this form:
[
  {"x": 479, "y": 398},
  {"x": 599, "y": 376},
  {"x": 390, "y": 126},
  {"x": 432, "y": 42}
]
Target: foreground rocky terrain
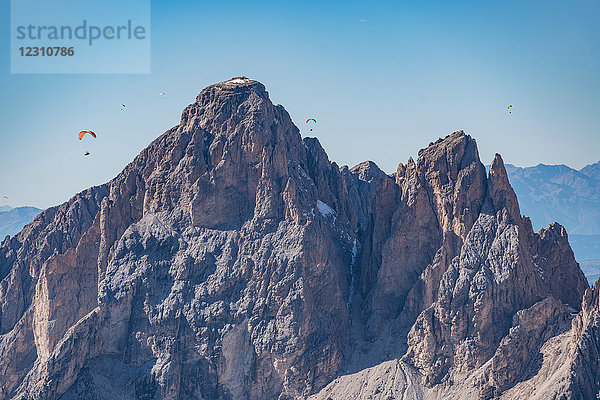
[{"x": 233, "y": 260}]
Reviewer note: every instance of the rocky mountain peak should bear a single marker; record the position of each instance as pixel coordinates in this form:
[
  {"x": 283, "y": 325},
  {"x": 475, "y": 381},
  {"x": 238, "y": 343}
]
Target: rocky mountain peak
[
  {"x": 236, "y": 89},
  {"x": 221, "y": 107},
  {"x": 502, "y": 194},
  {"x": 455, "y": 151},
  {"x": 455, "y": 179},
  {"x": 367, "y": 171},
  {"x": 233, "y": 260}
]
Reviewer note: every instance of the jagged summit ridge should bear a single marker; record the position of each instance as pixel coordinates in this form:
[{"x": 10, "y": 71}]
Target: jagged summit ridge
[
  {"x": 229, "y": 88},
  {"x": 240, "y": 81},
  {"x": 233, "y": 259}
]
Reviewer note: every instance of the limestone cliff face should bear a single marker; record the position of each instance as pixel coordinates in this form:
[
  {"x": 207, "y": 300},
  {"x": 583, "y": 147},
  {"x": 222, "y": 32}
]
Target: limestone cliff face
[{"x": 233, "y": 260}]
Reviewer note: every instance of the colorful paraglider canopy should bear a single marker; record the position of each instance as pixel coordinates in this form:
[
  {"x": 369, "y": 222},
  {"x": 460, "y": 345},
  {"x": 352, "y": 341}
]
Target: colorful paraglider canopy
[
  {"x": 320, "y": 265},
  {"x": 82, "y": 134},
  {"x": 5, "y": 197},
  {"x": 311, "y": 119},
  {"x": 509, "y": 106},
  {"x": 162, "y": 94},
  {"x": 122, "y": 106},
  {"x": 87, "y": 153}
]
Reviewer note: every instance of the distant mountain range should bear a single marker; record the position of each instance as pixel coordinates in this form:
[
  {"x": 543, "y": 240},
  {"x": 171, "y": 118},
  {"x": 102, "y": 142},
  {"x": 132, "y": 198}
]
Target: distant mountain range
[
  {"x": 549, "y": 193},
  {"x": 12, "y": 220},
  {"x": 592, "y": 170}
]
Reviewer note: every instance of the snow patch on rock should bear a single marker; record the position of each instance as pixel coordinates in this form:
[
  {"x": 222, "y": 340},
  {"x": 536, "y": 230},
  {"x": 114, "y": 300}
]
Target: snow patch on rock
[{"x": 325, "y": 209}]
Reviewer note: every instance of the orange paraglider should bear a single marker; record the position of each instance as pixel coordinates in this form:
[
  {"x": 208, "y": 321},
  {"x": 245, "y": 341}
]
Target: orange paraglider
[
  {"x": 311, "y": 119},
  {"x": 82, "y": 134}
]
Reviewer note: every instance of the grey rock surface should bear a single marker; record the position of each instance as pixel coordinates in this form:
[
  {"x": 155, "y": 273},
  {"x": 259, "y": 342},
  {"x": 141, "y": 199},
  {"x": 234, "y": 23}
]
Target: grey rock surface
[{"x": 233, "y": 260}]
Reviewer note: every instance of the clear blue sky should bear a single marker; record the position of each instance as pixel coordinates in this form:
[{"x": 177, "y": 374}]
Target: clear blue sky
[{"x": 381, "y": 88}]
